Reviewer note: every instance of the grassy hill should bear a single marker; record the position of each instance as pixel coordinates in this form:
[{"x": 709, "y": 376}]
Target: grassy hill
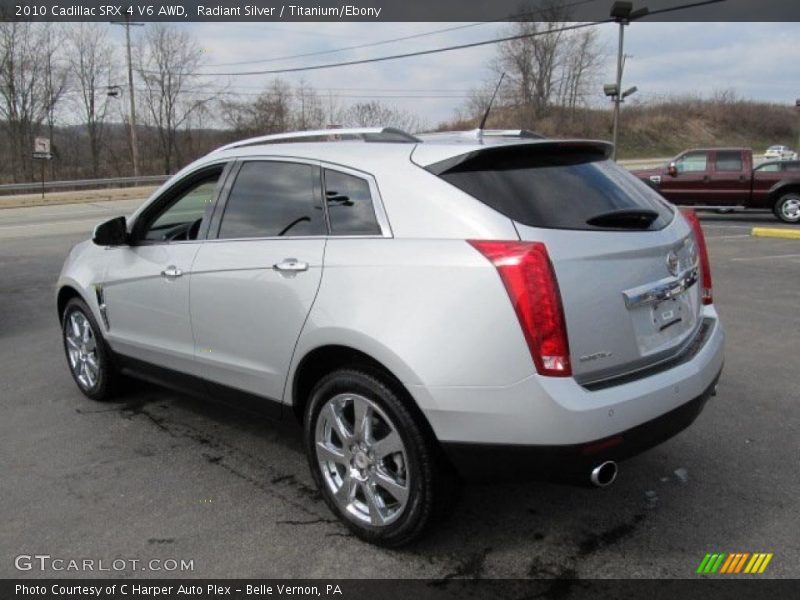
[{"x": 665, "y": 128}]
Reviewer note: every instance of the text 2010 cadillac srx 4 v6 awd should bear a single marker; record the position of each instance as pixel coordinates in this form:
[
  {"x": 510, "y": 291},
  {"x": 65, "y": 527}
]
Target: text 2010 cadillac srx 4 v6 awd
[{"x": 475, "y": 304}]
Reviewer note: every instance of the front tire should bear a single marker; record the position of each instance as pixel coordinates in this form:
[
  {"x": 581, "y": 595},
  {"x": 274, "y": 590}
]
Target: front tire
[
  {"x": 787, "y": 208},
  {"x": 89, "y": 358},
  {"x": 376, "y": 467}
]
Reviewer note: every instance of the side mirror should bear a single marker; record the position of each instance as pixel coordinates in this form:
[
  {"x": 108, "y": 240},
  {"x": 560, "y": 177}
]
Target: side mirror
[
  {"x": 672, "y": 169},
  {"x": 111, "y": 233}
]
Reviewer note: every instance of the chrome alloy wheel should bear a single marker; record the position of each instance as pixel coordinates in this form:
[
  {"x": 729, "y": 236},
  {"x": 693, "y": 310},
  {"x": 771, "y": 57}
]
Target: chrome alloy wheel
[
  {"x": 362, "y": 459},
  {"x": 790, "y": 209},
  {"x": 82, "y": 350}
]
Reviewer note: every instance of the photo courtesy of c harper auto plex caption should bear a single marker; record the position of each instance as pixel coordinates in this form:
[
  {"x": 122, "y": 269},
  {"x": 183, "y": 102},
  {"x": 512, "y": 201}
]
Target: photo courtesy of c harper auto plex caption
[{"x": 452, "y": 299}]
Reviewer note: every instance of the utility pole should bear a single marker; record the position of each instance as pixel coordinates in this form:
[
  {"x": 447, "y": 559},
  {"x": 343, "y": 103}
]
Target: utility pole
[
  {"x": 797, "y": 148},
  {"x": 131, "y": 96},
  {"x": 623, "y": 14},
  {"x": 618, "y": 96}
]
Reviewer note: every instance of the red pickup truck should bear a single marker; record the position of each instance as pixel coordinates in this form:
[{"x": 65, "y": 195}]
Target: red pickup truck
[{"x": 724, "y": 178}]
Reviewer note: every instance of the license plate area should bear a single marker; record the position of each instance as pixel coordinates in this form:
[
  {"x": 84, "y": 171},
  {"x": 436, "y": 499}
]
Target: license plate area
[{"x": 664, "y": 321}]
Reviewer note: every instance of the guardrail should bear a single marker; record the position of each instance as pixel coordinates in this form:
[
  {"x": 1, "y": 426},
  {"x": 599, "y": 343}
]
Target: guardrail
[{"x": 81, "y": 184}]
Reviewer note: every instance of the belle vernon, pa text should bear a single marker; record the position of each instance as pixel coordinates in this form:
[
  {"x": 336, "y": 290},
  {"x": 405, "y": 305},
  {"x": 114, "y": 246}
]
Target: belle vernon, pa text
[
  {"x": 289, "y": 10},
  {"x": 136, "y": 589}
]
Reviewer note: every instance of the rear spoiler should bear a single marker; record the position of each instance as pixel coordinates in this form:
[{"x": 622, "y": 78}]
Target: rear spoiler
[{"x": 539, "y": 153}]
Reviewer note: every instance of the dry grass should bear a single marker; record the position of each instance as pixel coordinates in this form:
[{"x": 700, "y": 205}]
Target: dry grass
[
  {"x": 77, "y": 197},
  {"x": 664, "y": 128}
]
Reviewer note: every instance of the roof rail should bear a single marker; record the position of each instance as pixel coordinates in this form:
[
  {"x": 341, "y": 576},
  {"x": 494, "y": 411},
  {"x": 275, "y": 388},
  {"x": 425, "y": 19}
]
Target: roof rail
[
  {"x": 479, "y": 135},
  {"x": 366, "y": 134},
  {"x": 512, "y": 133}
]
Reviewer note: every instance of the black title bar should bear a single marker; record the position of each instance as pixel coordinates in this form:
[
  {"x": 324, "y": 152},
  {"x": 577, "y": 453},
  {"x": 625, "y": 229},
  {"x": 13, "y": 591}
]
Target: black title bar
[{"x": 393, "y": 10}]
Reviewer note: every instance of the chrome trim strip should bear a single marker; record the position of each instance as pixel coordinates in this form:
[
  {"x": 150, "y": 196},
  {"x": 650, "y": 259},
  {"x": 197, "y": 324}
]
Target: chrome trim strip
[{"x": 663, "y": 289}]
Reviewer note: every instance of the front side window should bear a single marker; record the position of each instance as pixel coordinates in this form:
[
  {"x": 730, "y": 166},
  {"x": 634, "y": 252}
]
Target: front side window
[
  {"x": 180, "y": 218},
  {"x": 274, "y": 199},
  {"x": 728, "y": 161},
  {"x": 350, "y": 208},
  {"x": 693, "y": 162}
]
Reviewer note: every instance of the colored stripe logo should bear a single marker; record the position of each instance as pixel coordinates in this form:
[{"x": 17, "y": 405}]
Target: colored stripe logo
[{"x": 735, "y": 562}]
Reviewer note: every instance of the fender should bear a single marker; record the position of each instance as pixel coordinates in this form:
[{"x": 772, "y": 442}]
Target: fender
[
  {"x": 355, "y": 340},
  {"x": 784, "y": 185}
]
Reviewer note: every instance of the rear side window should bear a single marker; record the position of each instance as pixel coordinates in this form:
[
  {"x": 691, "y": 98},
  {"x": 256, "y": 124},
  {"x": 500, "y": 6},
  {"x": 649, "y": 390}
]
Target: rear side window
[
  {"x": 728, "y": 161},
  {"x": 350, "y": 208},
  {"x": 555, "y": 189},
  {"x": 274, "y": 199}
]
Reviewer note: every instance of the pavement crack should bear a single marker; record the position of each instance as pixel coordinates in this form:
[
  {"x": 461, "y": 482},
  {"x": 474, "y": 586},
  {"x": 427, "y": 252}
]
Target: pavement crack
[{"x": 308, "y": 522}]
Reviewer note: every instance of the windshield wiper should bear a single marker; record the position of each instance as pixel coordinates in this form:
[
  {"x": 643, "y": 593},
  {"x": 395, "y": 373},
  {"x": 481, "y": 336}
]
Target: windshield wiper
[{"x": 625, "y": 218}]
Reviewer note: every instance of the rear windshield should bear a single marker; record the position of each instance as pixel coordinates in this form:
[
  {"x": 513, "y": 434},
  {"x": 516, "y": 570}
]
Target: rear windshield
[{"x": 556, "y": 188}]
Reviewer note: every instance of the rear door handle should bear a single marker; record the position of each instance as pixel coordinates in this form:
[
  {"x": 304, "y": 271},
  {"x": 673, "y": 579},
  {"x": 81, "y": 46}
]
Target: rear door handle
[
  {"x": 291, "y": 265},
  {"x": 171, "y": 272}
]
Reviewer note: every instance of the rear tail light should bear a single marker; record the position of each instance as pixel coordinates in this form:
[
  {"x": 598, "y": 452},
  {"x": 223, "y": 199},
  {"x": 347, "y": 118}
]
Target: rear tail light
[
  {"x": 530, "y": 281},
  {"x": 705, "y": 266}
]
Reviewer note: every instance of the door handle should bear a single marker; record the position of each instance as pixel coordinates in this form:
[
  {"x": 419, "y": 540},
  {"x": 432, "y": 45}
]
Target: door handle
[
  {"x": 291, "y": 265},
  {"x": 171, "y": 272}
]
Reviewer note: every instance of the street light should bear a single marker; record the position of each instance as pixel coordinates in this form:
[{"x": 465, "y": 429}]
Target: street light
[{"x": 622, "y": 13}]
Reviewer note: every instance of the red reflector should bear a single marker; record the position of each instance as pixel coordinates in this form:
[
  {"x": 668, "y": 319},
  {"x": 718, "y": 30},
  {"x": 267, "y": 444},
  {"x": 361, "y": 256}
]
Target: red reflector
[
  {"x": 605, "y": 444},
  {"x": 705, "y": 265},
  {"x": 530, "y": 281}
]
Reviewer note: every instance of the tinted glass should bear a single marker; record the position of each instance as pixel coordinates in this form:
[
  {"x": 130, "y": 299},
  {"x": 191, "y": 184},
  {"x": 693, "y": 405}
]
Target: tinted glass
[
  {"x": 728, "y": 161},
  {"x": 693, "y": 162},
  {"x": 561, "y": 192},
  {"x": 350, "y": 207},
  {"x": 769, "y": 168},
  {"x": 273, "y": 199},
  {"x": 792, "y": 166},
  {"x": 182, "y": 217}
]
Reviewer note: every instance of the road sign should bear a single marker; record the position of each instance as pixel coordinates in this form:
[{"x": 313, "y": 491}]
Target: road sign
[
  {"x": 41, "y": 148},
  {"x": 41, "y": 145}
]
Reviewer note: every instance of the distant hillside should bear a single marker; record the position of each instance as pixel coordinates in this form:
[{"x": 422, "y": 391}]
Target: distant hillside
[{"x": 665, "y": 128}]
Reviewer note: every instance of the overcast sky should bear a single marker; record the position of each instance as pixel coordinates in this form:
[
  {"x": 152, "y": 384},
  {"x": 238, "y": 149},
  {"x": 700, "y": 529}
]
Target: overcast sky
[{"x": 757, "y": 60}]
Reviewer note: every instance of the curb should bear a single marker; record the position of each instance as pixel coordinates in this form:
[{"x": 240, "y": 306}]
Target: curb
[{"x": 789, "y": 234}]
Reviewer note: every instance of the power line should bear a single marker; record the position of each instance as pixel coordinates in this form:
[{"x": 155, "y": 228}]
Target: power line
[
  {"x": 407, "y": 54},
  {"x": 392, "y": 40},
  {"x": 446, "y": 48}
]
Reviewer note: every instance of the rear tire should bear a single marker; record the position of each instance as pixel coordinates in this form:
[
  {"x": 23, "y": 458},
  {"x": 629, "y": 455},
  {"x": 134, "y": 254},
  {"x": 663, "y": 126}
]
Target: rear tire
[
  {"x": 376, "y": 467},
  {"x": 89, "y": 357},
  {"x": 787, "y": 208}
]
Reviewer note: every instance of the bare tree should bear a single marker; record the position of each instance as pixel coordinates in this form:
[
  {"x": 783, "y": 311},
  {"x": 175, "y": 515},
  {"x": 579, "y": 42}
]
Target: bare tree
[
  {"x": 55, "y": 82},
  {"x": 531, "y": 63},
  {"x": 375, "y": 114},
  {"x": 545, "y": 67},
  {"x": 23, "y": 91},
  {"x": 308, "y": 107},
  {"x": 91, "y": 66},
  {"x": 270, "y": 112},
  {"x": 581, "y": 62},
  {"x": 166, "y": 60}
]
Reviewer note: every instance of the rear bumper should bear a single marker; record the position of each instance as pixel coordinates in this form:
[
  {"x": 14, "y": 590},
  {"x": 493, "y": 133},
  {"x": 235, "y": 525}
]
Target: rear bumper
[
  {"x": 557, "y": 415},
  {"x": 482, "y": 462}
]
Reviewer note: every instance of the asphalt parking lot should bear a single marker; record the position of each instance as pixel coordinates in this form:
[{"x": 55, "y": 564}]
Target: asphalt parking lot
[{"x": 160, "y": 475}]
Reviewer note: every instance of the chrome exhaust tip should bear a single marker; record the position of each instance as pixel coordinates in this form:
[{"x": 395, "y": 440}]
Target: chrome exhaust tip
[{"x": 604, "y": 474}]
